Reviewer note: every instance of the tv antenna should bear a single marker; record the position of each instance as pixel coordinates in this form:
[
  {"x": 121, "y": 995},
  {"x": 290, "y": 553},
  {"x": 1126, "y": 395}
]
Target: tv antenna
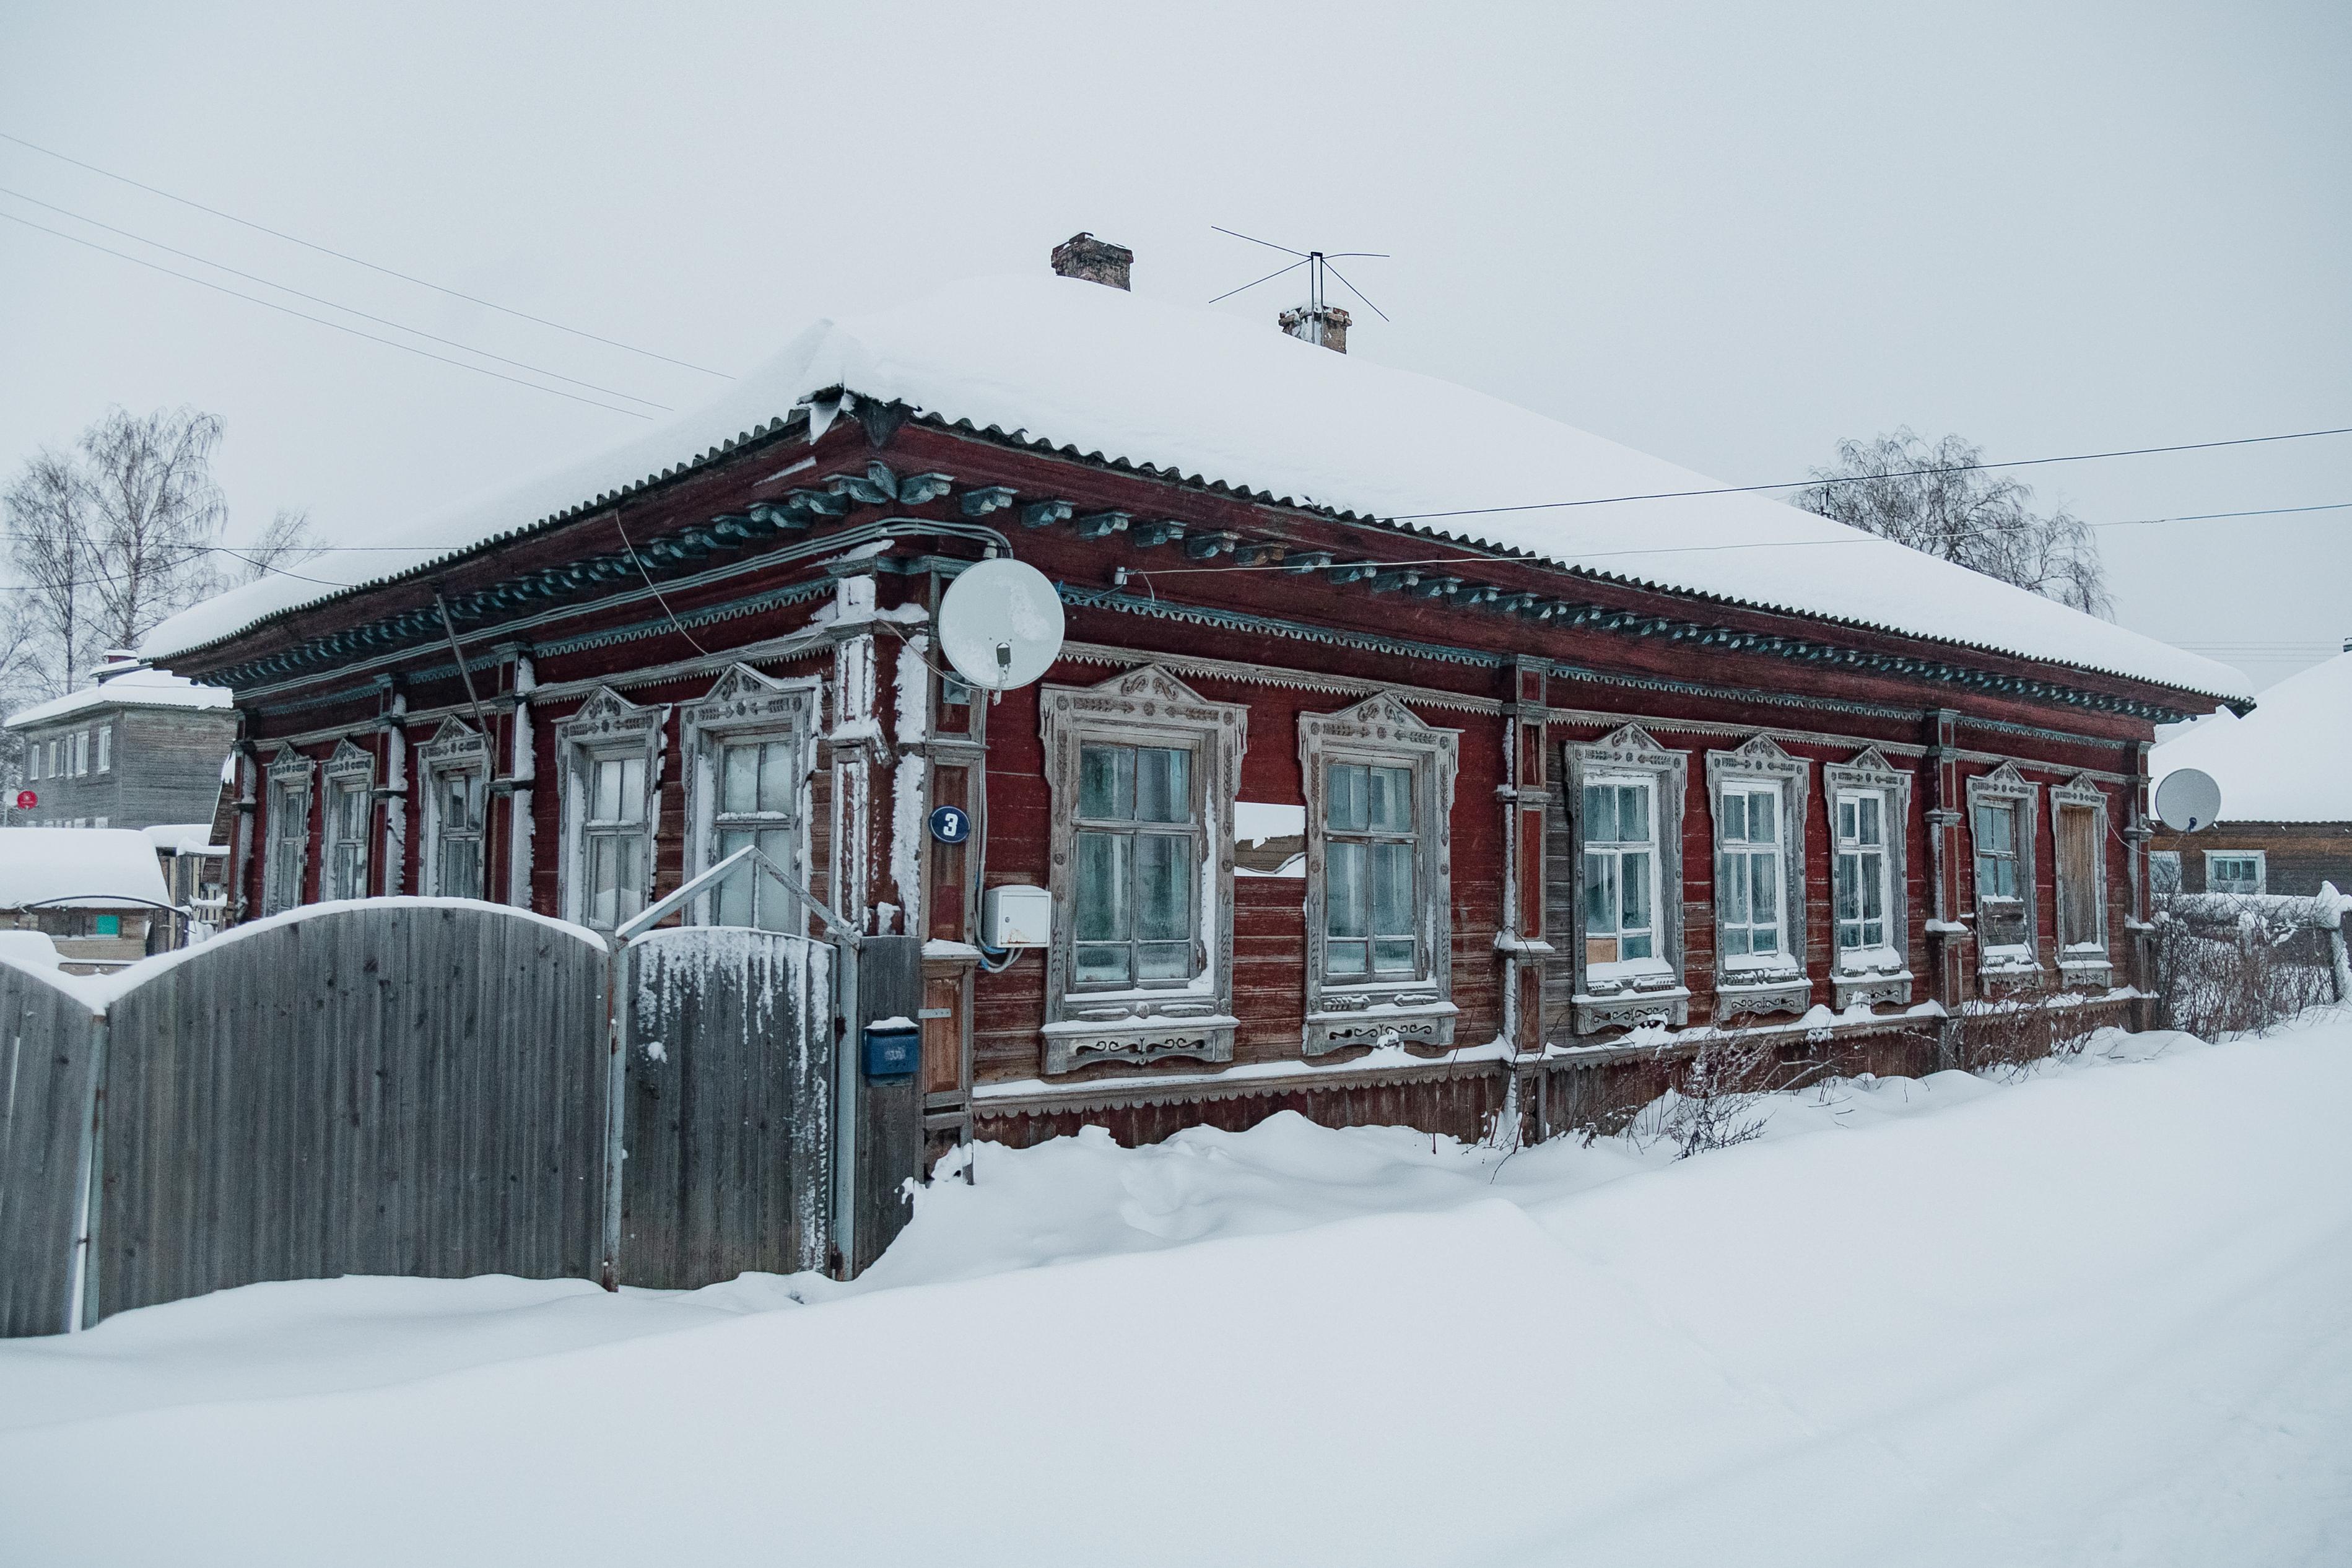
[{"x": 1319, "y": 266}]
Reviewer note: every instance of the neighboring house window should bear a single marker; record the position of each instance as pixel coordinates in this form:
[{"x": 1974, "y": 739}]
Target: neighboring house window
[
  {"x": 1143, "y": 771},
  {"x": 80, "y": 753},
  {"x": 609, "y": 749},
  {"x": 2079, "y": 835},
  {"x": 106, "y": 748},
  {"x": 55, "y": 758},
  {"x": 290, "y": 831},
  {"x": 455, "y": 766},
  {"x": 2002, "y": 810},
  {"x": 350, "y": 778},
  {"x": 1870, "y": 809},
  {"x": 1625, "y": 792},
  {"x": 2163, "y": 871},
  {"x": 33, "y": 763},
  {"x": 750, "y": 744},
  {"x": 1379, "y": 801},
  {"x": 1760, "y": 889},
  {"x": 2235, "y": 870}
]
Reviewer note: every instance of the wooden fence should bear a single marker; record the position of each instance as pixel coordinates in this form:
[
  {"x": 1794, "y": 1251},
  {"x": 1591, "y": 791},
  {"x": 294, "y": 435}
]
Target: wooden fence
[{"x": 416, "y": 1086}]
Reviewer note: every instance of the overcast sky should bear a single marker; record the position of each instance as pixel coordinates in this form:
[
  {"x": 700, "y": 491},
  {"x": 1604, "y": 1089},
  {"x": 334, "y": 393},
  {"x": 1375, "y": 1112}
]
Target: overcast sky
[{"x": 1728, "y": 234}]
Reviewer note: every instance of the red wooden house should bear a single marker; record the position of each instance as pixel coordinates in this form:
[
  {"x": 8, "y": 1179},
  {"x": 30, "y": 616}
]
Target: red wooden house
[{"x": 1383, "y": 775}]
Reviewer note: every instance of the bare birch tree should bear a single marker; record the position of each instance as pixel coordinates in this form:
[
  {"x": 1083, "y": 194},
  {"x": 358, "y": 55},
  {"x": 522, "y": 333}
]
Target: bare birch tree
[
  {"x": 287, "y": 542},
  {"x": 54, "y": 563},
  {"x": 154, "y": 514},
  {"x": 1940, "y": 501}
]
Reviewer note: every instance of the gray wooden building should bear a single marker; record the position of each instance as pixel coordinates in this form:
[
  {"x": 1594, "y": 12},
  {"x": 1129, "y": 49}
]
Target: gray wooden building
[{"x": 139, "y": 749}]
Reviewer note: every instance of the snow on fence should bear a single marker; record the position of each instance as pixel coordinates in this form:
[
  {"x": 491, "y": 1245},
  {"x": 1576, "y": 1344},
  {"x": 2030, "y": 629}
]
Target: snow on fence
[{"x": 419, "y": 1087}]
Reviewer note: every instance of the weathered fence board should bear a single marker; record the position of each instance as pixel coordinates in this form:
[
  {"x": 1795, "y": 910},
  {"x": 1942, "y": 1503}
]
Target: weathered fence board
[
  {"x": 47, "y": 1049},
  {"x": 889, "y": 1111},
  {"x": 728, "y": 1120},
  {"x": 407, "y": 1089}
]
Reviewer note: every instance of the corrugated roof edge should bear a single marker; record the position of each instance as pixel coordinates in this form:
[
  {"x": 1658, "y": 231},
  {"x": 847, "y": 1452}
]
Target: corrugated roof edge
[{"x": 781, "y": 425}]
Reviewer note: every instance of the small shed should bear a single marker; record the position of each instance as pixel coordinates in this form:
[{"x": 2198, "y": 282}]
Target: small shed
[
  {"x": 94, "y": 890},
  {"x": 2285, "y": 772}
]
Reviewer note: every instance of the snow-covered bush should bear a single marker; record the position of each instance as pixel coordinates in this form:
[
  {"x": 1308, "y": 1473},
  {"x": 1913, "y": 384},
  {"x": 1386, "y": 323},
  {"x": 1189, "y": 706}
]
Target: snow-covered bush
[{"x": 2230, "y": 965}]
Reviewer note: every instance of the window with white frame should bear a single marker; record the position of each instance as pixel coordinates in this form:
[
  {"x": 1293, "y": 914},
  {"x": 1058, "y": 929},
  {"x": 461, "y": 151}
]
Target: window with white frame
[
  {"x": 106, "y": 748},
  {"x": 1748, "y": 840},
  {"x": 2002, "y": 811},
  {"x": 1143, "y": 771},
  {"x": 1759, "y": 796},
  {"x": 2163, "y": 871},
  {"x": 2235, "y": 870},
  {"x": 455, "y": 767},
  {"x": 1869, "y": 803},
  {"x": 749, "y": 742},
  {"x": 2078, "y": 829},
  {"x": 1622, "y": 812},
  {"x": 1380, "y": 795},
  {"x": 1862, "y": 898},
  {"x": 33, "y": 763},
  {"x": 80, "y": 753},
  {"x": 350, "y": 780},
  {"x": 287, "y": 854},
  {"x": 610, "y": 748},
  {"x": 1620, "y": 871}
]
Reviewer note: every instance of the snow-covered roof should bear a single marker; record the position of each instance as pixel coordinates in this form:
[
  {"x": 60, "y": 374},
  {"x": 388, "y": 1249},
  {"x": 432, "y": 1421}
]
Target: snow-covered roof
[
  {"x": 1107, "y": 374},
  {"x": 133, "y": 689},
  {"x": 183, "y": 839},
  {"x": 2288, "y": 760},
  {"x": 86, "y": 866}
]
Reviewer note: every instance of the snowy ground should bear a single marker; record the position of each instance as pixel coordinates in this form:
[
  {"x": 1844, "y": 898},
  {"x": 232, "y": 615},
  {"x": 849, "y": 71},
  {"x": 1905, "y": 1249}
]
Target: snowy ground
[{"x": 2102, "y": 1314}]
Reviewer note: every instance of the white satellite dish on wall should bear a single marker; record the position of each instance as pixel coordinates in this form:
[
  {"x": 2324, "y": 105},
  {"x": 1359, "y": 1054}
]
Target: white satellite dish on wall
[
  {"x": 1001, "y": 624},
  {"x": 2188, "y": 800}
]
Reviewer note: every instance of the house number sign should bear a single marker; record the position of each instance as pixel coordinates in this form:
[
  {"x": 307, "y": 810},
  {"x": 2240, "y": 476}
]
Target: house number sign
[{"x": 950, "y": 825}]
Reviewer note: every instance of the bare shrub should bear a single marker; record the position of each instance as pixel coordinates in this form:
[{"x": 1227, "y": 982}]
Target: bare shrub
[
  {"x": 2229, "y": 965},
  {"x": 2007, "y": 1036},
  {"x": 1718, "y": 1088}
]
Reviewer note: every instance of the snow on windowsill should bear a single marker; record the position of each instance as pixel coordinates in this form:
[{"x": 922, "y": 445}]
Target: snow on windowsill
[
  {"x": 1143, "y": 1025},
  {"x": 1382, "y": 1058},
  {"x": 1861, "y": 961}
]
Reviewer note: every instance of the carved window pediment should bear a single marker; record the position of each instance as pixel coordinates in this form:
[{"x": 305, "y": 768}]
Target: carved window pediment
[
  {"x": 290, "y": 769},
  {"x": 454, "y": 744},
  {"x": 350, "y": 762}
]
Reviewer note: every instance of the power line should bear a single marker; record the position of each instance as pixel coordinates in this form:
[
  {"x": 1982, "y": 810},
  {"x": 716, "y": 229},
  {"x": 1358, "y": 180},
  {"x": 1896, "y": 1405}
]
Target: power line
[
  {"x": 305, "y": 315},
  {"x": 1891, "y": 474},
  {"x": 356, "y": 261},
  {"x": 320, "y": 299}
]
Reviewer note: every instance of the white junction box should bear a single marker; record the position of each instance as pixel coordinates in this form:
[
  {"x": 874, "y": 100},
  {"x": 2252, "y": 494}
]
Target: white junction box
[{"x": 1015, "y": 916}]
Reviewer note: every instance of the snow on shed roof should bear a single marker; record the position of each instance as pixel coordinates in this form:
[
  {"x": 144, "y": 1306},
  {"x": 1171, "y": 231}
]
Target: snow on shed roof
[
  {"x": 183, "y": 839},
  {"x": 87, "y": 867},
  {"x": 1106, "y": 374},
  {"x": 2288, "y": 760},
  {"x": 132, "y": 689}
]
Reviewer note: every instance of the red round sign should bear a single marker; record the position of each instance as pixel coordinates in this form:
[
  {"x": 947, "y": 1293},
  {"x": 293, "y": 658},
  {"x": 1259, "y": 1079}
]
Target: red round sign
[{"x": 26, "y": 800}]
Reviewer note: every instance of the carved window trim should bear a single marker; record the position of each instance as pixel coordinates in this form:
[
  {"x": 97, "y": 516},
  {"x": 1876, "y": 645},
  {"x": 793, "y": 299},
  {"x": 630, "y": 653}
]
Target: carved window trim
[
  {"x": 1781, "y": 983},
  {"x": 456, "y": 748},
  {"x": 2087, "y": 965},
  {"x": 1150, "y": 707},
  {"x": 291, "y": 776},
  {"x": 1852, "y": 978},
  {"x": 1632, "y": 751},
  {"x": 1381, "y": 731},
  {"x": 607, "y": 725},
  {"x": 2005, "y": 786},
  {"x": 343, "y": 863},
  {"x": 744, "y": 705}
]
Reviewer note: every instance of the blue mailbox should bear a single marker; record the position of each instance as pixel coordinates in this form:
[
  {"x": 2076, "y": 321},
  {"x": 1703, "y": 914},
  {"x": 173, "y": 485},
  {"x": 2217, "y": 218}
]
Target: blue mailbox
[{"x": 894, "y": 1047}]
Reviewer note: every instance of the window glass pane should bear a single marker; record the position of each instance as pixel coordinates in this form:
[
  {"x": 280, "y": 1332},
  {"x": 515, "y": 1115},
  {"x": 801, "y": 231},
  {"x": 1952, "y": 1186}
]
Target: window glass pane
[
  {"x": 1846, "y": 815},
  {"x": 1163, "y": 909},
  {"x": 1392, "y": 804},
  {"x": 1349, "y": 958},
  {"x": 1392, "y": 891},
  {"x": 1102, "y": 914},
  {"x": 1393, "y": 955},
  {"x": 1600, "y": 893},
  {"x": 1345, "y": 808},
  {"x": 1634, "y": 873},
  {"x": 632, "y": 789},
  {"x": 601, "y": 880},
  {"x": 1343, "y": 890},
  {"x": 1873, "y": 886},
  {"x": 1874, "y": 829},
  {"x": 1733, "y": 893},
  {"x": 1849, "y": 887},
  {"x": 1103, "y": 964},
  {"x": 774, "y": 906},
  {"x": 776, "y": 780},
  {"x": 1735, "y": 817},
  {"x": 1163, "y": 785},
  {"x": 1765, "y": 873},
  {"x": 739, "y": 787},
  {"x": 1163, "y": 960},
  {"x": 1763, "y": 810},
  {"x": 1640, "y": 946},
  {"x": 736, "y": 891},
  {"x": 1599, "y": 815},
  {"x": 604, "y": 798},
  {"x": 1735, "y": 940},
  {"x": 1633, "y": 813},
  {"x": 1106, "y": 783}
]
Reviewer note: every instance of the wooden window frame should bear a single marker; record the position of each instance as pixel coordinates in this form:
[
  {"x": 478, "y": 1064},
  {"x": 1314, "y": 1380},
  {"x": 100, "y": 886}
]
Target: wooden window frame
[
  {"x": 1381, "y": 731},
  {"x": 2088, "y": 966},
  {"x": 606, "y": 726},
  {"x": 291, "y": 778},
  {"x": 745, "y": 706},
  {"x": 105, "y": 743},
  {"x": 1634, "y": 999},
  {"x": 2261, "y": 869},
  {"x": 351, "y": 769},
  {"x": 1780, "y": 985},
  {"x": 1862, "y": 979},
  {"x": 2005, "y": 786},
  {"x": 456, "y": 748},
  {"x": 1144, "y": 707}
]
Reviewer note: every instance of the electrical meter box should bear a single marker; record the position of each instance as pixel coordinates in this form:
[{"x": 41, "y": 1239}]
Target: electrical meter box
[{"x": 1017, "y": 917}]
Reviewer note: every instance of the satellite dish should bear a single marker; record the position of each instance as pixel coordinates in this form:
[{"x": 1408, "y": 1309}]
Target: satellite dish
[
  {"x": 1001, "y": 624},
  {"x": 2188, "y": 800}
]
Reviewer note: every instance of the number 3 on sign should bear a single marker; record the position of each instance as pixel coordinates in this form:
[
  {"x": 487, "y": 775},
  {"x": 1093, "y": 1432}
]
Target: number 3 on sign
[{"x": 950, "y": 825}]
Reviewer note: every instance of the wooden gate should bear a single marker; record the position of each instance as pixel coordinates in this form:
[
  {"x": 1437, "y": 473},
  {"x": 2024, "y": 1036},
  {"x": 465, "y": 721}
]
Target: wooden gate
[{"x": 729, "y": 1101}]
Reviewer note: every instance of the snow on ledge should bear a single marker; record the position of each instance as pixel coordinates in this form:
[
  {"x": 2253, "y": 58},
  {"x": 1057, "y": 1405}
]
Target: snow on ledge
[{"x": 1380, "y": 1060}]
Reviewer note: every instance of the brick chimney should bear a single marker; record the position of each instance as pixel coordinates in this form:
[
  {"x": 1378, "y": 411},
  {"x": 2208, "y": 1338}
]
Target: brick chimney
[
  {"x": 1324, "y": 324},
  {"x": 1095, "y": 260}
]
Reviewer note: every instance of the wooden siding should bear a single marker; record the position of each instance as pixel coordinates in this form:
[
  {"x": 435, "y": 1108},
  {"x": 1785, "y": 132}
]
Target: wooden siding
[{"x": 48, "y": 1045}]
